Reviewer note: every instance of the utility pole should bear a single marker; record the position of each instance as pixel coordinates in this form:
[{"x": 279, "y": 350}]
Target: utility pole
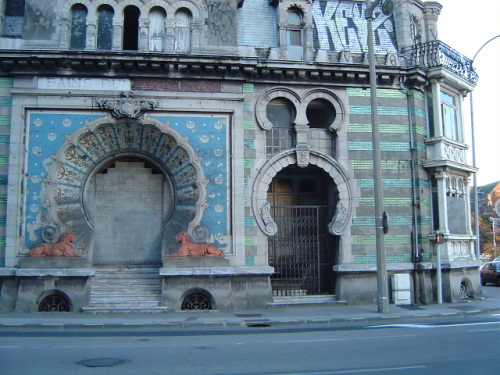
[{"x": 382, "y": 289}]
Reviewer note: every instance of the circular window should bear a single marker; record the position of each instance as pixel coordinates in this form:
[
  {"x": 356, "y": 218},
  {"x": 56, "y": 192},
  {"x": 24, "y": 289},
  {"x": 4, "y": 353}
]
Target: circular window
[
  {"x": 281, "y": 112},
  {"x": 52, "y": 303},
  {"x": 294, "y": 17},
  {"x": 320, "y": 113},
  {"x": 196, "y": 301}
]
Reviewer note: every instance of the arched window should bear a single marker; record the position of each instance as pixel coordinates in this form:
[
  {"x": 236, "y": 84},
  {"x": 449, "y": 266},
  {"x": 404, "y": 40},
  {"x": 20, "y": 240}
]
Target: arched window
[
  {"x": 105, "y": 16},
  {"x": 281, "y": 113},
  {"x": 320, "y": 113},
  {"x": 294, "y": 34},
  {"x": 131, "y": 28},
  {"x": 157, "y": 17},
  {"x": 78, "y": 27},
  {"x": 183, "y": 30}
]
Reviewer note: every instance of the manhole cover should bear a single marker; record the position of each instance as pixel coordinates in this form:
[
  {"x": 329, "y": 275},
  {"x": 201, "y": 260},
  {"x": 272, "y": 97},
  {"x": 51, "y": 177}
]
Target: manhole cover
[{"x": 101, "y": 362}]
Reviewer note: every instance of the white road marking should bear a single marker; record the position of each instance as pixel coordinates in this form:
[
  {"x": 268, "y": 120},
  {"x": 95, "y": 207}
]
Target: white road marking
[
  {"x": 342, "y": 339},
  {"x": 354, "y": 371},
  {"x": 434, "y": 326}
]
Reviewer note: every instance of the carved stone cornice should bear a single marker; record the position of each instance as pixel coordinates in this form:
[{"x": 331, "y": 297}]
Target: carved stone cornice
[{"x": 166, "y": 66}]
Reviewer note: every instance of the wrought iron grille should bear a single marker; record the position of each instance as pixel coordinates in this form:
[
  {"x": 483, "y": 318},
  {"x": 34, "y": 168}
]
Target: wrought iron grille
[
  {"x": 294, "y": 251},
  {"x": 437, "y": 54},
  {"x": 196, "y": 301},
  {"x": 53, "y": 302}
]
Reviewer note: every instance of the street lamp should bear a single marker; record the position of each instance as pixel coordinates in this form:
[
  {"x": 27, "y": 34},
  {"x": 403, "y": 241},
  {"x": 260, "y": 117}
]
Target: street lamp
[
  {"x": 474, "y": 177},
  {"x": 382, "y": 291}
]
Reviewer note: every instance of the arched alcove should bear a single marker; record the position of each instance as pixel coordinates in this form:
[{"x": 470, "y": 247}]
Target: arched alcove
[{"x": 70, "y": 189}]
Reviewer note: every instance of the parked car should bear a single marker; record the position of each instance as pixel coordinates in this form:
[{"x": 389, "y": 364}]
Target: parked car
[{"x": 490, "y": 273}]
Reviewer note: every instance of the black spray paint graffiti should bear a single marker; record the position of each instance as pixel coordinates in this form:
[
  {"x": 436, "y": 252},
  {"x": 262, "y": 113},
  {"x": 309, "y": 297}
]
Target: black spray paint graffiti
[
  {"x": 341, "y": 26},
  {"x": 220, "y": 20}
]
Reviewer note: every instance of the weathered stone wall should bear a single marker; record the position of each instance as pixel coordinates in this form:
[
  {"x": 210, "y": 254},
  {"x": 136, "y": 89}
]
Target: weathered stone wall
[{"x": 128, "y": 215}]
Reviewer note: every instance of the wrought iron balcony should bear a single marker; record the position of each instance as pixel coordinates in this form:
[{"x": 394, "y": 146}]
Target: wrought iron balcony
[{"x": 437, "y": 54}]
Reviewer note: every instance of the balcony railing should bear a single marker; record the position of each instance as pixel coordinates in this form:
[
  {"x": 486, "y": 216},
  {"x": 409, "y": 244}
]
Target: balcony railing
[{"x": 437, "y": 54}]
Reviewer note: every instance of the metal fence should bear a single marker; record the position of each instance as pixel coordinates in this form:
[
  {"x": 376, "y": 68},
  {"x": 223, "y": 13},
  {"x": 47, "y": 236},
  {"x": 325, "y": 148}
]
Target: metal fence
[
  {"x": 294, "y": 251},
  {"x": 438, "y": 54}
]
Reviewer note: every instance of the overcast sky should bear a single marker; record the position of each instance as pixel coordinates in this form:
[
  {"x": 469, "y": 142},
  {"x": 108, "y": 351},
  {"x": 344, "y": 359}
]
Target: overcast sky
[{"x": 466, "y": 25}]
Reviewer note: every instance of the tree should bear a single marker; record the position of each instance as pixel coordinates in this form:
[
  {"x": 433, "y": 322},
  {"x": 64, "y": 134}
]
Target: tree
[{"x": 488, "y": 248}]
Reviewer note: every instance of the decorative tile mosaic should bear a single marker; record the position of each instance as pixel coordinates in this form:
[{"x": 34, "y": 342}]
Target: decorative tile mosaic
[{"x": 47, "y": 136}]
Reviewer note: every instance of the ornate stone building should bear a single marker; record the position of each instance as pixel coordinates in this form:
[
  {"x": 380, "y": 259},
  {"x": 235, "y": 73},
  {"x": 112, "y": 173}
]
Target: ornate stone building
[{"x": 246, "y": 124}]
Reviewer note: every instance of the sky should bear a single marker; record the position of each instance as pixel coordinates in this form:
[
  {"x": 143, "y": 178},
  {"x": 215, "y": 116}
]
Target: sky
[{"x": 465, "y": 25}]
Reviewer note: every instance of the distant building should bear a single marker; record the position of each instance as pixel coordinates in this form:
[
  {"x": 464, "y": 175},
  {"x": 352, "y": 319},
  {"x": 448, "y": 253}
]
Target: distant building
[
  {"x": 488, "y": 197},
  {"x": 245, "y": 124}
]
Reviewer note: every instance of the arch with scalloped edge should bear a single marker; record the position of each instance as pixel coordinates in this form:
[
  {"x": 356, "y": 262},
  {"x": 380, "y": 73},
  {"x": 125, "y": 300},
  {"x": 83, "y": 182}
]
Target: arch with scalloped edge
[{"x": 343, "y": 211}]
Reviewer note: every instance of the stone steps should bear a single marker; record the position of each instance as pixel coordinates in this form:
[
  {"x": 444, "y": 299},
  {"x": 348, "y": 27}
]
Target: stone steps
[{"x": 125, "y": 289}]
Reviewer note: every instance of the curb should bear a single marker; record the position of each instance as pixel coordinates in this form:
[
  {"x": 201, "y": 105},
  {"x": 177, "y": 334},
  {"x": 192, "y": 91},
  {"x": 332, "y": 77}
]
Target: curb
[{"x": 245, "y": 323}]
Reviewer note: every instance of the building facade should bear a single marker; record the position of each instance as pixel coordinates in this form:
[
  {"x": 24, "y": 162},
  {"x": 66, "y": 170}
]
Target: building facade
[
  {"x": 246, "y": 124},
  {"x": 489, "y": 199}
]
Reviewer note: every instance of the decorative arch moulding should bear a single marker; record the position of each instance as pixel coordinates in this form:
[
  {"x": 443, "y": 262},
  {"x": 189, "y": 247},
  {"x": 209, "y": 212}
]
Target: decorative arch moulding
[
  {"x": 300, "y": 102},
  {"x": 344, "y": 207},
  {"x": 67, "y": 150}
]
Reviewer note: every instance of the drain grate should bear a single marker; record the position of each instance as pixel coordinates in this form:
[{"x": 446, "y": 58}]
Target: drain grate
[
  {"x": 258, "y": 323},
  {"x": 101, "y": 362},
  {"x": 245, "y": 315}
]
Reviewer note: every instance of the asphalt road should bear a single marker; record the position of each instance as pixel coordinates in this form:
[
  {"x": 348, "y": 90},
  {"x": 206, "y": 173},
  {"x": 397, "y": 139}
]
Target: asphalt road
[{"x": 460, "y": 346}]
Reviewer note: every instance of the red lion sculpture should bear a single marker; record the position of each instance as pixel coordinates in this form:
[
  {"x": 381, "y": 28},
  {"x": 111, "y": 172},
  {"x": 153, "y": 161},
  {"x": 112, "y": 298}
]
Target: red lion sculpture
[
  {"x": 189, "y": 248},
  {"x": 62, "y": 248}
]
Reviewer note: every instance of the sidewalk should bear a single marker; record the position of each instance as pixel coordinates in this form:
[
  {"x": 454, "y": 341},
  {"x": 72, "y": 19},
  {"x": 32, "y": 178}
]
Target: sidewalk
[{"x": 273, "y": 317}]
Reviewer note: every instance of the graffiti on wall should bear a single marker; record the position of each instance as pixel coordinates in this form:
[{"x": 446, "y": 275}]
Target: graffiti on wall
[
  {"x": 341, "y": 26},
  {"x": 220, "y": 21},
  {"x": 38, "y": 20}
]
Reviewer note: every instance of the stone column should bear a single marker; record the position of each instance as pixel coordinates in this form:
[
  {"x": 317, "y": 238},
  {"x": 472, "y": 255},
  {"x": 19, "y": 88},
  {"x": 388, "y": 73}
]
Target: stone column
[
  {"x": 143, "y": 43},
  {"x": 432, "y": 9},
  {"x": 402, "y": 13},
  {"x": 436, "y": 107},
  {"x": 117, "y": 36},
  {"x": 302, "y": 146},
  {"x": 90, "y": 43},
  {"x": 468, "y": 224},
  {"x": 441, "y": 178}
]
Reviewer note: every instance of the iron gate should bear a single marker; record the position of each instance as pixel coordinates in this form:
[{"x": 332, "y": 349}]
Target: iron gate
[{"x": 294, "y": 251}]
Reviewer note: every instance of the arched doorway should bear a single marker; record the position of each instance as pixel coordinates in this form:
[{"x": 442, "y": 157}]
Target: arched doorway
[
  {"x": 131, "y": 201},
  {"x": 303, "y": 252}
]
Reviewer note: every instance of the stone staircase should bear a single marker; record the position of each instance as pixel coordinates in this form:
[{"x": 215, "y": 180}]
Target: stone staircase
[{"x": 125, "y": 289}]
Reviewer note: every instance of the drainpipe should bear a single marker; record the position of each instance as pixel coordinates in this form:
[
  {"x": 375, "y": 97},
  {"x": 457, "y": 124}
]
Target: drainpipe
[{"x": 414, "y": 204}]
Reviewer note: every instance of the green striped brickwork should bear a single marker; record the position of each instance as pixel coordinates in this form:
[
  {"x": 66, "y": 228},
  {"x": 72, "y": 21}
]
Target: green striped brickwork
[
  {"x": 385, "y": 164},
  {"x": 393, "y": 220},
  {"x": 383, "y": 128},
  {"x": 249, "y": 128},
  {"x": 386, "y": 146},
  {"x": 390, "y": 239},
  {"x": 381, "y": 93},
  {"x": 396, "y": 165},
  {"x": 391, "y": 258},
  {"x": 5, "y": 123}
]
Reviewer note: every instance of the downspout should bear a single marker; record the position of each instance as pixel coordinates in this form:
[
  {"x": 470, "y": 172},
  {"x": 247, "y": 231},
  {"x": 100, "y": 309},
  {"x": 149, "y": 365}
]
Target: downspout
[{"x": 414, "y": 202}]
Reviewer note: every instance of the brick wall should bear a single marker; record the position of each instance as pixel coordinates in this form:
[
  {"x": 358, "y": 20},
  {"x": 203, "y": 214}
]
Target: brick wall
[
  {"x": 175, "y": 85},
  {"x": 128, "y": 215}
]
